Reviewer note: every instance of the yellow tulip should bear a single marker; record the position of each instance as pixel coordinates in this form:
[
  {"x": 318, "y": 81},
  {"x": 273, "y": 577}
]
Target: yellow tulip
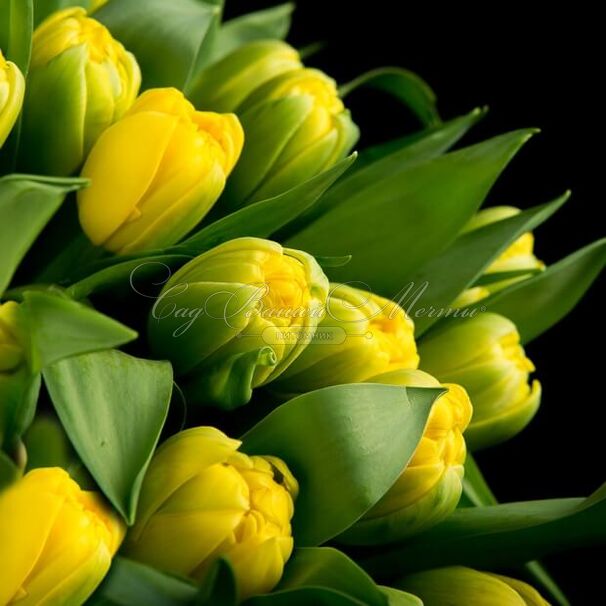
[
  {"x": 224, "y": 85},
  {"x": 518, "y": 257},
  {"x": 80, "y": 82},
  {"x": 201, "y": 499},
  {"x": 56, "y": 540},
  {"x": 236, "y": 317},
  {"x": 296, "y": 127},
  {"x": 460, "y": 586},
  {"x": 156, "y": 172},
  {"x": 484, "y": 355},
  {"x": 12, "y": 89},
  {"x": 360, "y": 335},
  {"x": 430, "y": 487}
]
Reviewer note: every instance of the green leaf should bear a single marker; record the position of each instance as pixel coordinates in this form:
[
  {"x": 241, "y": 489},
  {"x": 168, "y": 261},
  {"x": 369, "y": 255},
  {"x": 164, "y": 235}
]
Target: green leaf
[
  {"x": 499, "y": 536},
  {"x": 460, "y": 265},
  {"x": 329, "y": 568},
  {"x": 395, "y": 224},
  {"x": 536, "y": 304},
  {"x": 269, "y": 23},
  {"x": 396, "y": 597},
  {"x": 47, "y": 444},
  {"x": 264, "y": 218},
  {"x": 346, "y": 446},
  {"x": 384, "y": 161},
  {"x": 26, "y": 205},
  {"x": 113, "y": 407},
  {"x": 405, "y": 86},
  {"x": 129, "y": 583},
  {"x": 59, "y": 327},
  {"x": 121, "y": 272},
  {"x": 219, "y": 586},
  {"x": 16, "y": 25},
  {"x": 318, "y": 596},
  {"x": 167, "y": 37},
  {"x": 9, "y": 472}
]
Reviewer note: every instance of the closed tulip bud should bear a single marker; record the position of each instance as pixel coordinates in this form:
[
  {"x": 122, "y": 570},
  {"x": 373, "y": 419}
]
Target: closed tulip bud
[
  {"x": 224, "y": 85},
  {"x": 12, "y": 89},
  {"x": 296, "y": 126},
  {"x": 429, "y": 488},
  {"x": 484, "y": 355},
  {"x": 156, "y": 172},
  {"x": 236, "y": 317},
  {"x": 201, "y": 500},
  {"x": 460, "y": 586},
  {"x": 518, "y": 257},
  {"x": 366, "y": 335},
  {"x": 80, "y": 81},
  {"x": 56, "y": 540}
]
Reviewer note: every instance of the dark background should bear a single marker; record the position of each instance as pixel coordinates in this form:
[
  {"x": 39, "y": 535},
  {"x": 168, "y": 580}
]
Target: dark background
[{"x": 532, "y": 70}]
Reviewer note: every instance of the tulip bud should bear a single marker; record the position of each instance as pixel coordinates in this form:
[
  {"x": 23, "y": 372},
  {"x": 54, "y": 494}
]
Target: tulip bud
[
  {"x": 236, "y": 317},
  {"x": 484, "y": 355},
  {"x": 460, "y": 586},
  {"x": 12, "y": 89},
  {"x": 519, "y": 257},
  {"x": 56, "y": 540},
  {"x": 296, "y": 126},
  {"x": 365, "y": 335},
  {"x": 201, "y": 499},
  {"x": 156, "y": 172},
  {"x": 80, "y": 81},
  {"x": 429, "y": 488},
  {"x": 224, "y": 85}
]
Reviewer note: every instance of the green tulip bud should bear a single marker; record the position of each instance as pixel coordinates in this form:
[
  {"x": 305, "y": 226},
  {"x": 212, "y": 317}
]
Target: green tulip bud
[
  {"x": 80, "y": 82},
  {"x": 484, "y": 355},
  {"x": 296, "y": 126},
  {"x": 518, "y": 257},
  {"x": 12, "y": 88},
  {"x": 460, "y": 586},
  {"x": 429, "y": 488},
  {"x": 360, "y": 335},
  {"x": 224, "y": 85},
  {"x": 236, "y": 317}
]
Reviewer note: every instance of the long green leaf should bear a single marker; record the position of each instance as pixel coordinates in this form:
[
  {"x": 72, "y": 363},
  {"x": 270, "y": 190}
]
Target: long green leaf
[
  {"x": 538, "y": 303},
  {"x": 26, "y": 205},
  {"x": 396, "y": 597},
  {"x": 394, "y": 225},
  {"x": 329, "y": 568},
  {"x": 59, "y": 327},
  {"x": 305, "y": 596},
  {"x": 346, "y": 446},
  {"x": 130, "y": 583},
  {"x": 16, "y": 24},
  {"x": 461, "y": 264},
  {"x": 269, "y": 23},
  {"x": 113, "y": 407},
  {"x": 405, "y": 86},
  {"x": 499, "y": 536},
  {"x": 166, "y": 37},
  {"x": 264, "y": 218},
  {"x": 9, "y": 472}
]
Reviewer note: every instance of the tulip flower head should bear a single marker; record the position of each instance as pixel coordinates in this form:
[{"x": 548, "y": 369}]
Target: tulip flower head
[
  {"x": 80, "y": 82},
  {"x": 201, "y": 499},
  {"x": 370, "y": 335},
  {"x": 225, "y": 85},
  {"x": 236, "y": 317},
  {"x": 430, "y": 487},
  {"x": 12, "y": 89},
  {"x": 156, "y": 172},
  {"x": 460, "y": 586},
  {"x": 296, "y": 126},
  {"x": 484, "y": 355},
  {"x": 56, "y": 540}
]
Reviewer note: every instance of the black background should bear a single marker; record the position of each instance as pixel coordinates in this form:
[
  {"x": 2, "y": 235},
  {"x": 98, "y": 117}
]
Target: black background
[{"x": 532, "y": 70}]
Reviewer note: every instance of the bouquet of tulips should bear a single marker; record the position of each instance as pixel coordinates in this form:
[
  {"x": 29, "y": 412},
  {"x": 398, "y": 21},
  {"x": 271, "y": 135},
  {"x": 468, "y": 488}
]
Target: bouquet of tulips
[{"x": 241, "y": 361}]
